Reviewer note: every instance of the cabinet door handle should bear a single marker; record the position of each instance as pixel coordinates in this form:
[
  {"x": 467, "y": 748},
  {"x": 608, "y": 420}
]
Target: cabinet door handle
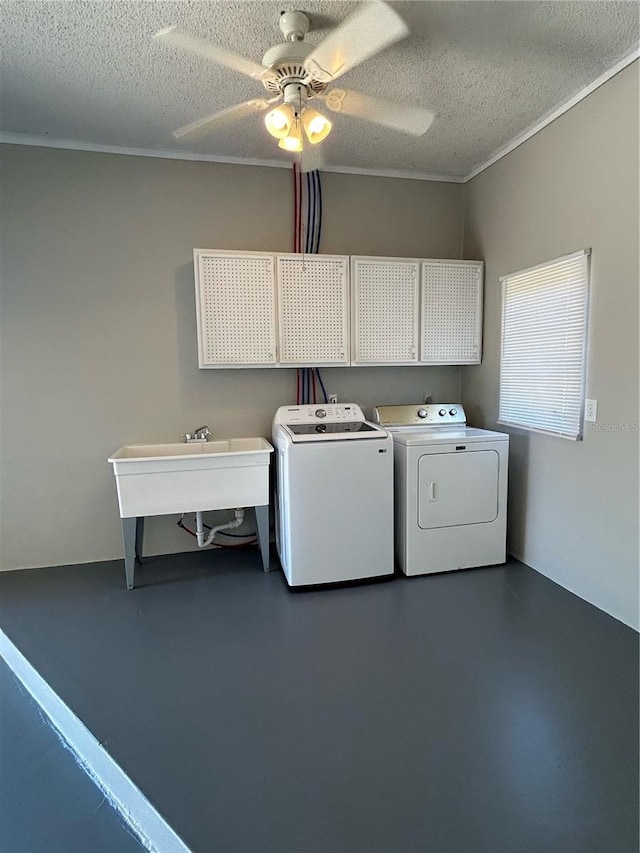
[{"x": 432, "y": 492}]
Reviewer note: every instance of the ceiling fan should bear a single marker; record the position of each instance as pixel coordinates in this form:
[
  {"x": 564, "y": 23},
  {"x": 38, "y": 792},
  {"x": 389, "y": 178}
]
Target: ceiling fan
[{"x": 295, "y": 73}]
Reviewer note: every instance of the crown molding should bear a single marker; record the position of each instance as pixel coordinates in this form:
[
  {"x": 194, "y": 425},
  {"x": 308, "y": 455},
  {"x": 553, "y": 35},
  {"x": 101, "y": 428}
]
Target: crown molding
[
  {"x": 95, "y": 148},
  {"x": 554, "y": 114},
  {"x": 75, "y": 145},
  {"x": 394, "y": 173}
]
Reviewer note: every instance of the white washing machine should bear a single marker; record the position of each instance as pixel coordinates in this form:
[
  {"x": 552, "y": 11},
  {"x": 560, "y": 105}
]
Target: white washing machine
[
  {"x": 334, "y": 484},
  {"x": 450, "y": 489}
]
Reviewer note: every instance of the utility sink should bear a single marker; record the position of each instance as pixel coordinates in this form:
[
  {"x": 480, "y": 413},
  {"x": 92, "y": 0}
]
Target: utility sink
[
  {"x": 161, "y": 479},
  {"x": 157, "y": 479}
]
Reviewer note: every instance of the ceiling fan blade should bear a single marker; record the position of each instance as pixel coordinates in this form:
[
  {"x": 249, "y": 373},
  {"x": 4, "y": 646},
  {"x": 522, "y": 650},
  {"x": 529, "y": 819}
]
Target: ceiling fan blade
[
  {"x": 402, "y": 117},
  {"x": 203, "y": 125},
  {"x": 370, "y": 29},
  {"x": 311, "y": 158},
  {"x": 213, "y": 52}
]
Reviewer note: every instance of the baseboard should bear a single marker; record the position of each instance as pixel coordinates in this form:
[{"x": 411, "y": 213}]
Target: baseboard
[
  {"x": 573, "y": 592},
  {"x": 128, "y": 800}
]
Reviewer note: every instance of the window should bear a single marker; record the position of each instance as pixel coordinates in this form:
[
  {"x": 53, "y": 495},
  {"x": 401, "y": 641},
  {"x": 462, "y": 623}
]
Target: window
[{"x": 544, "y": 332}]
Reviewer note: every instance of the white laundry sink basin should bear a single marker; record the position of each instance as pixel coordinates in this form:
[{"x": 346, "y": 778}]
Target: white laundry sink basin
[
  {"x": 227, "y": 446},
  {"x": 158, "y": 479}
]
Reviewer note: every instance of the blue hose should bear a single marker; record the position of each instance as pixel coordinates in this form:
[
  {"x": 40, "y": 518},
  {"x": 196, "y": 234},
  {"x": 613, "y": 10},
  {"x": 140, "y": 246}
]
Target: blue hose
[{"x": 324, "y": 390}]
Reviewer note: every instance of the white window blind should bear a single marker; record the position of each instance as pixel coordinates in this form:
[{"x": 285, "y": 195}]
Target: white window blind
[{"x": 544, "y": 331}]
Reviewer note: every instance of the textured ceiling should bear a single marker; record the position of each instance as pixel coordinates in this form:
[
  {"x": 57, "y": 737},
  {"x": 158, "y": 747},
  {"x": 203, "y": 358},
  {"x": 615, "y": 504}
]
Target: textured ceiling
[{"x": 90, "y": 72}]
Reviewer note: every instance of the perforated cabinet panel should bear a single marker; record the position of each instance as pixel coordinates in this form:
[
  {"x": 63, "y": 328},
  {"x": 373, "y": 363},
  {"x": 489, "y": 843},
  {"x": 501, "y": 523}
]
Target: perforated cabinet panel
[
  {"x": 398, "y": 306},
  {"x": 451, "y": 312},
  {"x": 385, "y": 310},
  {"x": 236, "y": 309},
  {"x": 313, "y": 309}
]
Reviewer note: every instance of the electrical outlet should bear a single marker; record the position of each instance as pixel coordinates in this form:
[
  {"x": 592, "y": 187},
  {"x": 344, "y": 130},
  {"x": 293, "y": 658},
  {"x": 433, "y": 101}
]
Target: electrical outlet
[
  {"x": 333, "y": 398},
  {"x": 590, "y": 411}
]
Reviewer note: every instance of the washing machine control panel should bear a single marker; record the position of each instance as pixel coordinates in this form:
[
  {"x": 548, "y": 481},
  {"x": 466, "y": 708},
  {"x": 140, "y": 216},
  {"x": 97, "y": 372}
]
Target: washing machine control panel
[
  {"x": 424, "y": 415},
  {"x": 310, "y": 414}
]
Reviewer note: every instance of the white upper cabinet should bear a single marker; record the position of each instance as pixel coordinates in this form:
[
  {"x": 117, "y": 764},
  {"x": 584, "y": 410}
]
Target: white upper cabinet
[
  {"x": 384, "y": 308},
  {"x": 313, "y": 310},
  {"x": 260, "y": 309},
  {"x": 235, "y": 304},
  {"x": 451, "y": 314}
]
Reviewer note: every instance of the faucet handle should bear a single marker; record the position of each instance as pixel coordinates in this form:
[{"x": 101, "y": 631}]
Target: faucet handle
[{"x": 186, "y": 436}]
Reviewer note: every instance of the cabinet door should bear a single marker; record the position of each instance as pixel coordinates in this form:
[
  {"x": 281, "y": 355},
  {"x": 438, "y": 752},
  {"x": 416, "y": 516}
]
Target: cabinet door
[
  {"x": 235, "y": 304},
  {"x": 313, "y": 309},
  {"x": 385, "y": 293},
  {"x": 451, "y": 318}
]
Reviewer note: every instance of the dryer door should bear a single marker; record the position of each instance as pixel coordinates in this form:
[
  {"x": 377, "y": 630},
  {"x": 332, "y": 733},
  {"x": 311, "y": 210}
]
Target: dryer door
[{"x": 457, "y": 488}]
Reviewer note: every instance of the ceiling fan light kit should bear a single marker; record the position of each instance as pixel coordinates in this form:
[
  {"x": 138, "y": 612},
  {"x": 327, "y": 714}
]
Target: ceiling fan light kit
[
  {"x": 316, "y": 126},
  {"x": 278, "y": 122},
  {"x": 296, "y": 71},
  {"x": 284, "y": 121},
  {"x": 293, "y": 140}
]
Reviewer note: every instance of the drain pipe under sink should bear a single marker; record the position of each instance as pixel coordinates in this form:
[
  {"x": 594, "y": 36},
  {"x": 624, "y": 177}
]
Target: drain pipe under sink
[{"x": 230, "y": 525}]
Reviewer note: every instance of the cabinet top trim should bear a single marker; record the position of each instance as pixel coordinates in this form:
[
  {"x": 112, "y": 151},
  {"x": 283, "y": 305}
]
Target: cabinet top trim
[
  {"x": 305, "y": 255},
  {"x": 452, "y": 261},
  {"x": 233, "y": 253},
  {"x": 308, "y": 256}
]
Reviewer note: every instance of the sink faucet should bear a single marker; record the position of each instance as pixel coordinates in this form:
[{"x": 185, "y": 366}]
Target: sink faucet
[{"x": 200, "y": 434}]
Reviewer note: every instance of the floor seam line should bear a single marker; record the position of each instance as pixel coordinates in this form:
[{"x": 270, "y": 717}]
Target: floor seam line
[{"x": 127, "y": 799}]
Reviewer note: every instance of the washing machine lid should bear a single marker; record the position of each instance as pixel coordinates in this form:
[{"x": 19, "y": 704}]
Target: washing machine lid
[
  {"x": 356, "y": 430},
  {"x": 417, "y": 436},
  {"x": 321, "y": 422}
]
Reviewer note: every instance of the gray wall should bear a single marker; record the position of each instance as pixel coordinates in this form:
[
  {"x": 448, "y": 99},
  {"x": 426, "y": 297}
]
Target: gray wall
[
  {"x": 98, "y": 323},
  {"x": 573, "y": 506}
]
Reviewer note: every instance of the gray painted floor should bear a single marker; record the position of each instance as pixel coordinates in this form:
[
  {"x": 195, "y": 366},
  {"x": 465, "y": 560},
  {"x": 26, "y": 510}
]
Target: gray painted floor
[
  {"x": 487, "y": 710},
  {"x": 47, "y": 802}
]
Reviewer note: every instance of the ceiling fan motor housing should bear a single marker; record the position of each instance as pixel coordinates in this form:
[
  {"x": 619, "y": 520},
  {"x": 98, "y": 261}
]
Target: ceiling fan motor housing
[
  {"x": 293, "y": 25},
  {"x": 287, "y": 61}
]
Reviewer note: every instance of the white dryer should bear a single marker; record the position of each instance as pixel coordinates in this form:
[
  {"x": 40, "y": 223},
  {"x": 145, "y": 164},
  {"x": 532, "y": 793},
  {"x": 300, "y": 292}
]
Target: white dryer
[
  {"x": 334, "y": 484},
  {"x": 450, "y": 489}
]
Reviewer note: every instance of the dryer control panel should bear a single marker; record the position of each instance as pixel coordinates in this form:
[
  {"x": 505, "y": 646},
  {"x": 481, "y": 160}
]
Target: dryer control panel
[{"x": 420, "y": 415}]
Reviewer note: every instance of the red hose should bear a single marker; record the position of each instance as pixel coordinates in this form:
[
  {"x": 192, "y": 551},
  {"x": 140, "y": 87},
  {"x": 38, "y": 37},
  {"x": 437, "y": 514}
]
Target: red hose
[
  {"x": 295, "y": 210},
  {"x": 299, "y": 217}
]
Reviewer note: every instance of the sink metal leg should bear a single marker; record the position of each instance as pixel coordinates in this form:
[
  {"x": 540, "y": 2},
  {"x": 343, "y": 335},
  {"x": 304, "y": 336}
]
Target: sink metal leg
[
  {"x": 129, "y": 540},
  {"x": 262, "y": 525},
  {"x": 139, "y": 537}
]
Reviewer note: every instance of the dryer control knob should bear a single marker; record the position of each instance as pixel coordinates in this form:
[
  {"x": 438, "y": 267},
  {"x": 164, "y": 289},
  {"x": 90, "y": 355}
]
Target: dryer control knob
[
  {"x": 453, "y": 411},
  {"x": 320, "y": 413},
  {"x": 422, "y": 413},
  {"x": 442, "y": 412}
]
